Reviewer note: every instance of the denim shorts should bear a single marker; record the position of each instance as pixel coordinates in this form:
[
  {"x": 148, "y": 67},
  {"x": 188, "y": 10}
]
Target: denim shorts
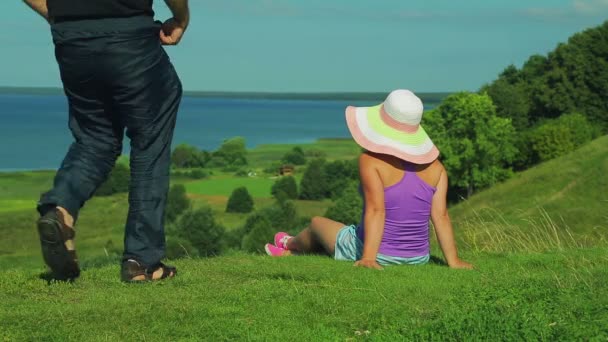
[{"x": 350, "y": 248}]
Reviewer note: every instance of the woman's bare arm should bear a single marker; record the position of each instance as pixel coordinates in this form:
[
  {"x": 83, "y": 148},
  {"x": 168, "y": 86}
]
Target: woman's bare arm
[
  {"x": 373, "y": 218},
  {"x": 443, "y": 224}
]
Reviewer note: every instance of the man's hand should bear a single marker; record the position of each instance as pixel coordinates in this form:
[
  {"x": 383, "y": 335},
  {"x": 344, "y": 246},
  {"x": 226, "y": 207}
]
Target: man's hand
[
  {"x": 368, "y": 263},
  {"x": 172, "y": 31},
  {"x": 459, "y": 264}
]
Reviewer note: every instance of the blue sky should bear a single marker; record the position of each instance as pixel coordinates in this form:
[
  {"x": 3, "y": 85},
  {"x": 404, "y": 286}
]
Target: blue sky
[{"x": 331, "y": 45}]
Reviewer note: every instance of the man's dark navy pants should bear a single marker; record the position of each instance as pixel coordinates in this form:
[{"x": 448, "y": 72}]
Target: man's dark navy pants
[{"x": 117, "y": 77}]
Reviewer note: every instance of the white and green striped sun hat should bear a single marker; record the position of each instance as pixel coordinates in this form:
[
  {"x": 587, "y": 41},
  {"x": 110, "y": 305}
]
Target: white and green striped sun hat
[{"x": 393, "y": 128}]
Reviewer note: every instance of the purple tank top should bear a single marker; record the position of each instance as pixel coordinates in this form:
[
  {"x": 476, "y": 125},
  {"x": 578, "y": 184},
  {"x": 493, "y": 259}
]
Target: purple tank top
[{"x": 408, "y": 209}]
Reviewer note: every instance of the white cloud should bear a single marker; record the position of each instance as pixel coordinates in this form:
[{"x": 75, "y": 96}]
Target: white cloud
[
  {"x": 590, "y": 6},
  {"x": 576, "y": 7}
]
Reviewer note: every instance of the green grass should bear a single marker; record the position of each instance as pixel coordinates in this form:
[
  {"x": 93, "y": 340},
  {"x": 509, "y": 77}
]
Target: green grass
[
  {"x": 333, "y": 149},
  {"x": 101, "y": 220},
  {"x": 25, "y": 185},
  {"x": 552, "y": 296},
  {"x": 534, "y": 280},
  {"x": 224, "y": 185},
  {"x": 572, "y": 191}
]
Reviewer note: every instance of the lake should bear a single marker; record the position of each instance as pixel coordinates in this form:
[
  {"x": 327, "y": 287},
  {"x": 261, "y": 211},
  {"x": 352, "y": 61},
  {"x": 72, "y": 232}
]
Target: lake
[{"x": 34, "y": 132}]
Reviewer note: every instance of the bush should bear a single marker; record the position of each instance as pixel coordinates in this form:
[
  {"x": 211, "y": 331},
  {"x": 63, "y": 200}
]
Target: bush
[
  {"x": 348, "y": 207},
  {"x": 260, "y": 232},
  {"x": 283, "y": 215},
  {"x": 201, "y": 230},
  {"x": 315, "y": 153},
  {"x": 240, "y": 201},
  {"x": 314, "y": 182},
  {"x": 233, "y": 152},
  {"x": 560, "y": 136},
  {"x": 177, "y": 202},
  {"x": 261, "y": 226},
  {"x": 287, "y": 185},
  {"x": 117, "y": 182},
  {"x": 295, "y": 156},
  {"x": 340, "y": 174},
  {"x": 177, "y": 248},
  {"x": 273, "y": 168},
  {"x": 241, "y": 173},
  {"x": 198, "y": 174},
  {"x": 186, "y": 156},
  {"x": 192, "y": 174}
]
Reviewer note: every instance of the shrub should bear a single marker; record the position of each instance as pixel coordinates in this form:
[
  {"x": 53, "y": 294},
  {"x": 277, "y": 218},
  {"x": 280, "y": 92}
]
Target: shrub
[
  {"x": 177, "y": 202},
  {"x": 233, "y": 151},
  {"x": 201, "y": 230},
  {"x": 314, "y": 182},
  {"x": 177, "y": 248},
  {"x": 198, "y": 174},
  {"x": 240, "y": 201},
  {"x": 348, "y": 207},
  {"x": 315, "y": 153},
  {"x": 340, "y": 174},
  {"x": 295, "y": 156},
  {"x": 117, "y": 182},
  {"x": 287, "y": 185},
  {"x": 260, "y": 232},
  {"x": 186, "y": 156},
  {"x": 559, "y": 136},
  {"x": 261, "y": 226}
]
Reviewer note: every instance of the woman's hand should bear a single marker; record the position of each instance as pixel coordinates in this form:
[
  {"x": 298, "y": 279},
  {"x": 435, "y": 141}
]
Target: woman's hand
[
  {"x": 368, "y": 263},
  {"x": 460, "y": 264}
]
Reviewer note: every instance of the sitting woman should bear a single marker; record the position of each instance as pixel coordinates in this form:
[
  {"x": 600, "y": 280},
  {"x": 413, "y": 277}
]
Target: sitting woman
[{"x": 403, "y": 185}]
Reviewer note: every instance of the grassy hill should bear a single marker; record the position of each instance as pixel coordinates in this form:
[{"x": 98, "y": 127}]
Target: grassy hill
[
  {"x": 551, "y": 296},
  {"x": 533, "y": 279},
  {"x": 567, "y": 194}
]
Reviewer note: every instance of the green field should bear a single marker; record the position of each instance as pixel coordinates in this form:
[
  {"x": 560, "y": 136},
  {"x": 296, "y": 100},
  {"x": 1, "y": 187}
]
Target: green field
[
  {"x": 552, "y": 296},
  {"x": 224, "y": 185},
  {"x": 565, "y": 194},
  {"x": 538, "y": 242},
  {"x": 264, "y": 155}
]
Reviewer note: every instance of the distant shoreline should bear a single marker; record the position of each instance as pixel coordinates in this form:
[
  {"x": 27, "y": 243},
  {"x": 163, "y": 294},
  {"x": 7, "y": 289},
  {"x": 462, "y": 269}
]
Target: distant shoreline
[{"x": 363, "y": 96}]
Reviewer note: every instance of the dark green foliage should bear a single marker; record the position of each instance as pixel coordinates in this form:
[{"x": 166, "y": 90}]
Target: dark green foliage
[
  {"x": 200, "y": 228},
  {"x": 261, "y": 226},
  {"x": 117, "y": 182},
  {"x": 315, "y": 153},
  {"x": 511, "y": 101},
  {"x": 273, "y": 168},
  {"x": 177, "y": 248},
  {"x": 339, "y": 174},
  {"x": 313, "y": 185},
  {"x": 348, "y": 206},
  {"x": 282, "y": 215},
  {"x": 287, "y": 185},
  {"x": 476, "y": 145},
  {"x": 240, "y": 201},
  {"x": 177, "y": 202},
  {"x": 557, "y": 137},
  {"x": 192, "y": 174},
  {"x": 295, "y": 156},
  {"x": 571, "y": 78},
  {"x": 259, "y": 232},
  {"x": 187, "y": 156},
  {"x": 233, "y": 152}
]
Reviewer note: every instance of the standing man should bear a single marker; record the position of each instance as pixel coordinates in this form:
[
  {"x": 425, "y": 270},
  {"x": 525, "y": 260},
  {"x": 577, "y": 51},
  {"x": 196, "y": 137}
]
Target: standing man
[{"x": 117, "y": 77}]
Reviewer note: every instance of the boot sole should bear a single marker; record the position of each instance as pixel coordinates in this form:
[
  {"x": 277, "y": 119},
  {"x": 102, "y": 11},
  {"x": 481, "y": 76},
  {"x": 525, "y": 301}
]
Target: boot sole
[{"x": 54, "y": 252}]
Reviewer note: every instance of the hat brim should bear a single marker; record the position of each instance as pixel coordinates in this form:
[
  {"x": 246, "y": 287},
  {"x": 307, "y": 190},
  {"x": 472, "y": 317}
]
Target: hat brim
[{"x": 370, "y": 132}]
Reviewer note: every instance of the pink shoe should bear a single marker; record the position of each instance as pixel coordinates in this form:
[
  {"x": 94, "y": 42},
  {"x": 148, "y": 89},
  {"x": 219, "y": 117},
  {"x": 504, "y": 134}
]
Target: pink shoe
[
  {"x": 274, "y": 250},
  {"x": 281, "y": 238}
]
